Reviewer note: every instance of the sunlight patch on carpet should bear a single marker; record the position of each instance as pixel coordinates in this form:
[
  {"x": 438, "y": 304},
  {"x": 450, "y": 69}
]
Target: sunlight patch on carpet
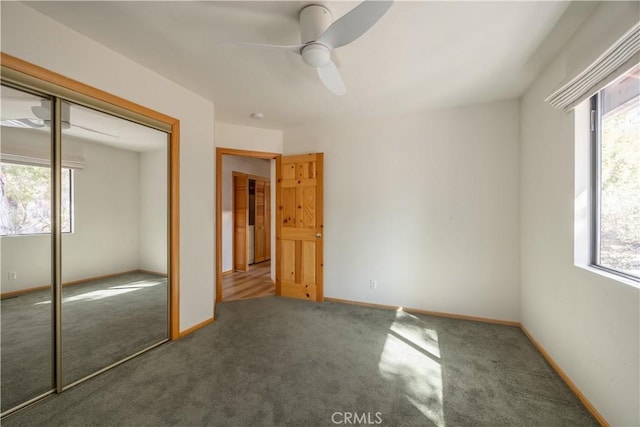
[
  {"x": 411, "y": 359},
  {"x": 138, "y": 284},
  {"x": 109, "y": 292}
]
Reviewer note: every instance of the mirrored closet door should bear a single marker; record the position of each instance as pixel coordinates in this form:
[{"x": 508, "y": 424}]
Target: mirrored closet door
[
  {"x": 26, "y": 344},
  {"x": 114, "y": 257},
  {"x": 82, "y": 298}
]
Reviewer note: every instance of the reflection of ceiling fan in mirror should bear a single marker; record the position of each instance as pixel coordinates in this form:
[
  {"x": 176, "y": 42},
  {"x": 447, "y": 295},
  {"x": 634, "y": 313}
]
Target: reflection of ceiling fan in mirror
[{"x": 42, "y": 119}]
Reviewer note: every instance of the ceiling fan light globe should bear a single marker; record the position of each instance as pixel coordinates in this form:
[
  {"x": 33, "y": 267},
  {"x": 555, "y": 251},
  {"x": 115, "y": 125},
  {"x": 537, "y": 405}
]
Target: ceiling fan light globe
[{"x": 316, "y": 55}]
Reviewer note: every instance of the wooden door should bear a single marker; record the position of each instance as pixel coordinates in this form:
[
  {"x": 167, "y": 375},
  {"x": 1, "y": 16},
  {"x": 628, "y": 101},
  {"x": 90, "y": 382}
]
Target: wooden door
[
  {"x": 299, "y": 227},
  {"x": 260, "y": 249},
  {"x": 240, "y": 222},
  {"x": 267, "y": 219}
]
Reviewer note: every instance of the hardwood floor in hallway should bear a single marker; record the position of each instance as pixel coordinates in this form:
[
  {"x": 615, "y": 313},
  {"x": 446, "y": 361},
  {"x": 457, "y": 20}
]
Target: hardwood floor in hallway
[{"x": 248, "y": 284}]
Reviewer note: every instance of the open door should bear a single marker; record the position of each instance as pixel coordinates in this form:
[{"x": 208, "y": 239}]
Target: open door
[
  {"x": 240, "y": 221},
  {"x": 299, "y": 227}
]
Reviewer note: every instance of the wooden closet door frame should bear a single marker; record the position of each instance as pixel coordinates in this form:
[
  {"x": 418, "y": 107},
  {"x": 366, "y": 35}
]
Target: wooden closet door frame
[{"x": 222, "y": 151}]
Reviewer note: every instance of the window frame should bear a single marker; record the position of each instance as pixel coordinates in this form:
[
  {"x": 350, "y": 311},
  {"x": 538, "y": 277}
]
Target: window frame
[
  {"x": 595, "y": 176},
  {"x": 71, "y": 200}
]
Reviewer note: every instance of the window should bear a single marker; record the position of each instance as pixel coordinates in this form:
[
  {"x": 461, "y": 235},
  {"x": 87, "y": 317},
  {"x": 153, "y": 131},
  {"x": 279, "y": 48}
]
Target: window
[
  {"x": 615, "y": 138},
  {"x": 25, "y": 199}
]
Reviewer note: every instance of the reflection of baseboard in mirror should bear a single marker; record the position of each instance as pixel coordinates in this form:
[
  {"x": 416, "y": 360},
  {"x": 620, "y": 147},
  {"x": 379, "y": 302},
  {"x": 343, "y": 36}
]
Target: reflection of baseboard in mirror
[{"x": 11, "y": 294}]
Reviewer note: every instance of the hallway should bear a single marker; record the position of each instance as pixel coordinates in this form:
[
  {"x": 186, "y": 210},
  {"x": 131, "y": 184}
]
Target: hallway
[{"x": 248, "y": 284}]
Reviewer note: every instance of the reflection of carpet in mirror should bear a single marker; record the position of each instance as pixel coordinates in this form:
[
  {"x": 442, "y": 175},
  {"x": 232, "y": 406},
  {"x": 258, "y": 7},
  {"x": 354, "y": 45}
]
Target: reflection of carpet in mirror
[{"x": 103, "y": 321}]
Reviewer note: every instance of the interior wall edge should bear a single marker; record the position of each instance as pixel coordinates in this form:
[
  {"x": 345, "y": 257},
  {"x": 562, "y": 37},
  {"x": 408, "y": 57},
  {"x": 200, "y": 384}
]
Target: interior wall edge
[
  {"x": 196, "y": 327},
  {"x": 427, "y": 312},
  {"x": 574, "y": 388}
]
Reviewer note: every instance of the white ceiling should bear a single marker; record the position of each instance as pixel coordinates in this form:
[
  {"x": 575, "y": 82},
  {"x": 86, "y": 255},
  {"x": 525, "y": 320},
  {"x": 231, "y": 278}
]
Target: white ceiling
[{"x": 420, "y": 55}]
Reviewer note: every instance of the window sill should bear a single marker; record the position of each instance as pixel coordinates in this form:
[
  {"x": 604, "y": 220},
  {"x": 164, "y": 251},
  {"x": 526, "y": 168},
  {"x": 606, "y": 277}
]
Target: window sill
[
  {"x": 11, "y": 236},
  {"x": 610, "y": 275}
]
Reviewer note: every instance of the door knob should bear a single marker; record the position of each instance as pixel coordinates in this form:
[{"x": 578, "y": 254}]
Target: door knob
[{"x": 318, "y": 234}]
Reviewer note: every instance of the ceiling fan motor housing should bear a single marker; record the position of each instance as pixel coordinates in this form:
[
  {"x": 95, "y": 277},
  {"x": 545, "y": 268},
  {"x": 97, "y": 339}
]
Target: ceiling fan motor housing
[
  {"x": 43, "y": 112},
  {"x": 316, "y": 55},
  {"x": 314, "y": 20}
]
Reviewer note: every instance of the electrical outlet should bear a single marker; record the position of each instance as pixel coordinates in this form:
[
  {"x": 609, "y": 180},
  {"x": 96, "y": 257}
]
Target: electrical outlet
[
  {"x": 13, "y": 275},
  {"x": 373, "y": 284}
]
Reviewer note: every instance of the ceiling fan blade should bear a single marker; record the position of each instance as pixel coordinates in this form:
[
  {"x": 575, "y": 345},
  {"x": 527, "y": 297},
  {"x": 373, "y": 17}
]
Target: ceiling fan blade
[
  {"x": 22, "y": 123},
  {"x": 332, "y": 79},
  {"x": 355, "y": 23},
  {"x": 293, "y": 48},
  {"x": 41, "y": 112},
  {"x": 93, "y": 130}
]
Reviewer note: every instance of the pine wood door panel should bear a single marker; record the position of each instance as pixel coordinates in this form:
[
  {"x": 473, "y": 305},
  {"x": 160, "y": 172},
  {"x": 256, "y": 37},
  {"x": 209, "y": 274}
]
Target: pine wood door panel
[
  {"x": 288, "y": 260},
  {"x": 299, "y": 232},
  {"x": 260, "y": 250},
  {"x": 267, "y": 219},
  {"x": 294, "y": 290},
  {"x": 307, "y": 206},
  {"x": 240, "y": 215},
  {"x": 288, "y": 207}
]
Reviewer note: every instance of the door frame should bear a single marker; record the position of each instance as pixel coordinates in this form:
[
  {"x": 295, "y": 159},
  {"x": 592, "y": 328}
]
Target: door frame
[{"x": 221, "y": 151}]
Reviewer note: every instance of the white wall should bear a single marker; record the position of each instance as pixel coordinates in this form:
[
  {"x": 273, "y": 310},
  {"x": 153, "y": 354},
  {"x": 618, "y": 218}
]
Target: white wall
[
  {"x": 153, "y": 211},
  {"x": 254, "y": 139},
  {"x": 248, "y": 138},
  {"x": 230, "y": 164},
  {"x": 33, "y": 37},
  {"x": 589, "y": 324},
  {"x": 106, "y": 215},
  {"x": 106, "y": 218},
  {"x": 426, "y": 204}
]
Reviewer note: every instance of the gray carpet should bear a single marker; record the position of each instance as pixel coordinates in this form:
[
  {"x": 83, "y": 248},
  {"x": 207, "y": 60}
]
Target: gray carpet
[
  {"x": 103, "y": 322},
  {"x": 279, "y": 362}
]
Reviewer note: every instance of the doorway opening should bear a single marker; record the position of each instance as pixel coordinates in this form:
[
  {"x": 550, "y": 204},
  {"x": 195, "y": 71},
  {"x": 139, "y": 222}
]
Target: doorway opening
[{"x": 245, "y": 217}]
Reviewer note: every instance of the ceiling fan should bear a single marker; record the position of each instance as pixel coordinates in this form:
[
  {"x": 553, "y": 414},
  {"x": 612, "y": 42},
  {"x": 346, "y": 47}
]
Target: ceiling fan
[
  {"x": 42, "y": 119},
  {"x": 320, "y": 37}
]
